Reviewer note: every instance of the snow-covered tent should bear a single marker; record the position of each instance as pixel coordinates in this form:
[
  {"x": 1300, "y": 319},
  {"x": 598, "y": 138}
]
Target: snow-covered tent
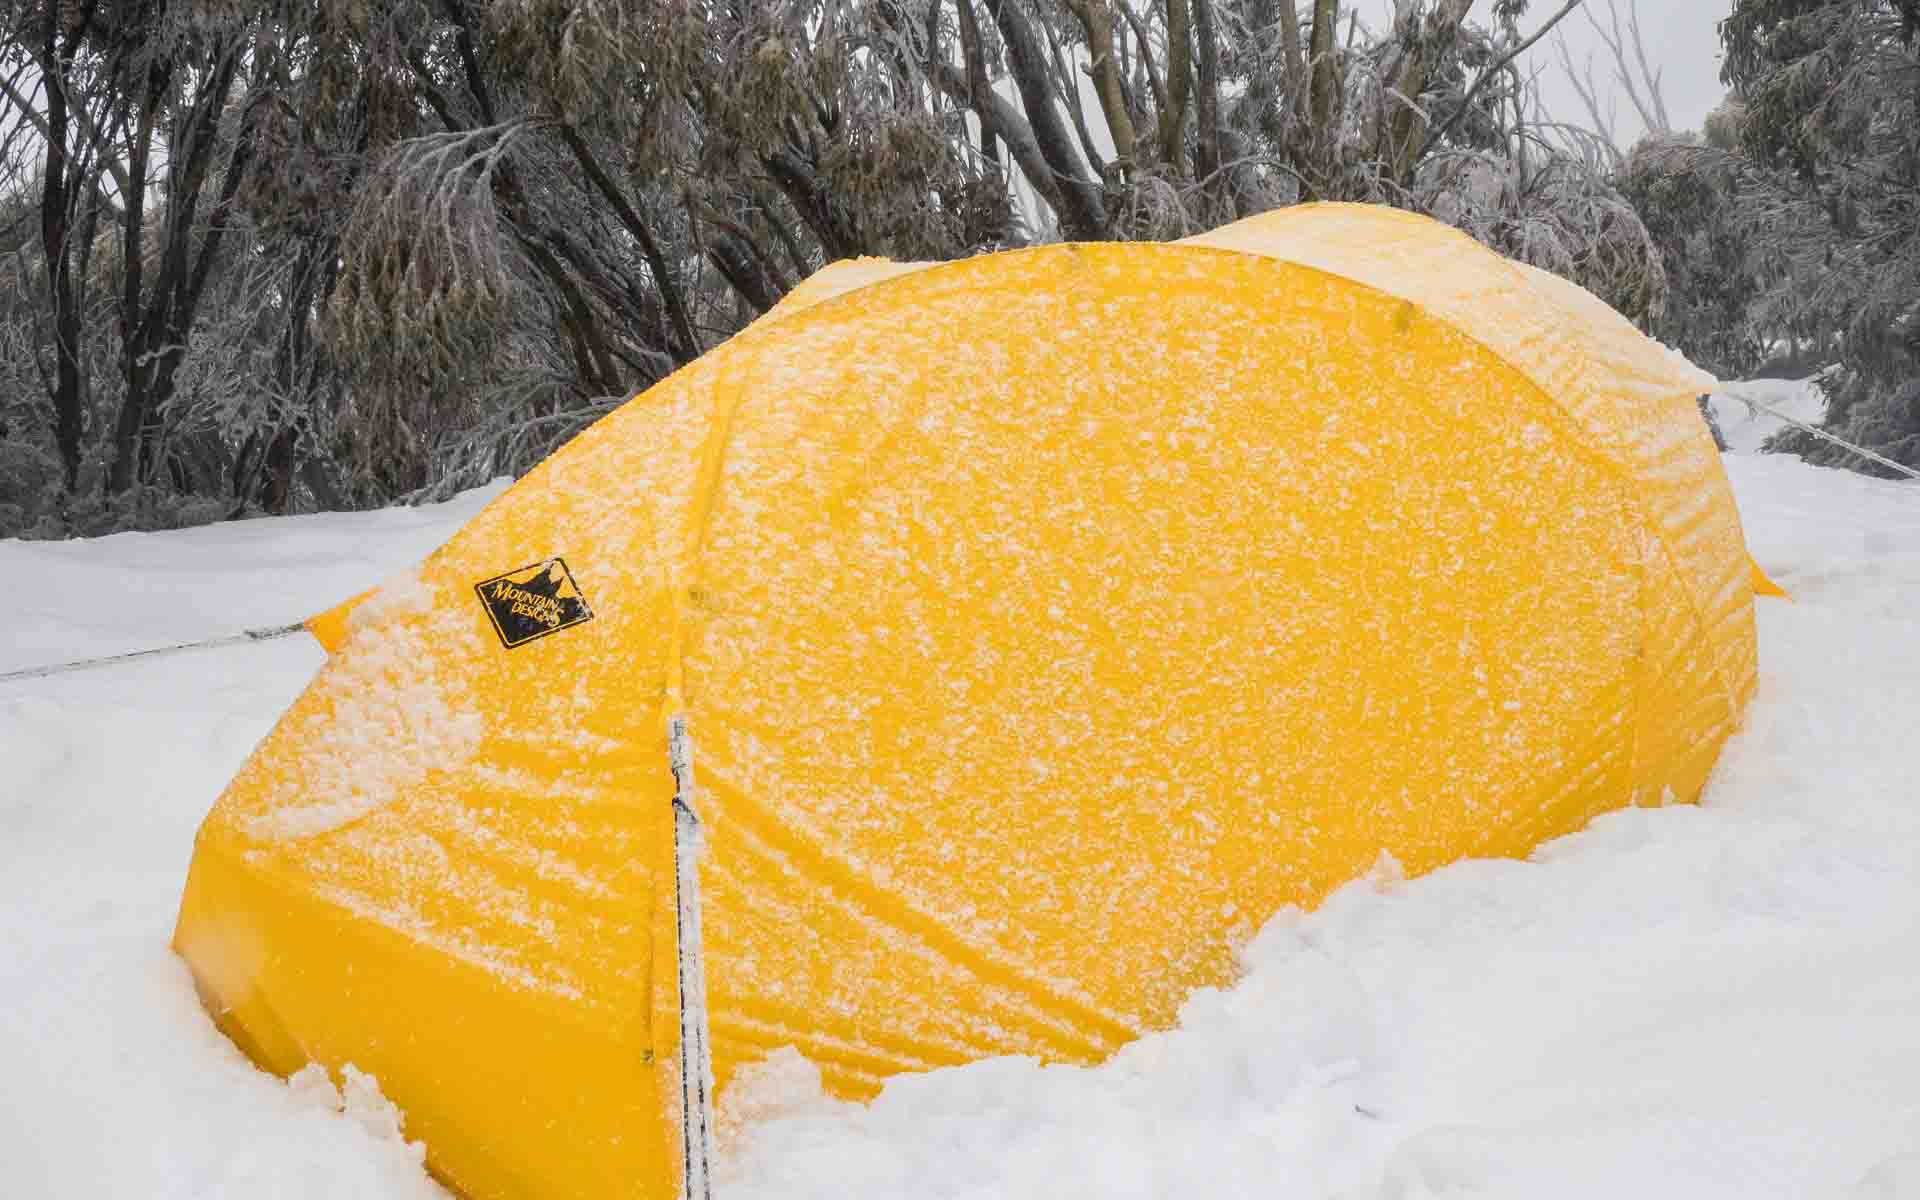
[{"x": 1042, "y": 623}]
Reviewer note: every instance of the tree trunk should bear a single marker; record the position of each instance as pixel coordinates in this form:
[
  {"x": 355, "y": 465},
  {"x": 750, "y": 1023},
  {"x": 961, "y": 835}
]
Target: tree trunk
[
  {"x": 276, "y": 480},
  {"x": 999, "y": 117},
  {"x": 1066, "y": 82},
  {"x": 978, "y": 86},
  {"x": 1083, "y": 215},
  {"x": 827, "y": 222},
  {"x": 686, "y": 345},
  {"x": 593, "y": 358},
  {"x": 742, "y": 270},
  {"x": 1096, "y": 18},
  {"x": 1173, "y": 118},
  {"x": 68, "y": 394},
  {"x": 1401, "y": 138},
  {"x": 136, "y": 364},
  {"x": 159, "y": 343},
  {"x": 292, "y": 368},
  {"x": 1290, "y": 49},
  {"x": 1325, "y": 95},
  {"x": 1206, "y": 155},
  {"x": 1155, "y": 84}
]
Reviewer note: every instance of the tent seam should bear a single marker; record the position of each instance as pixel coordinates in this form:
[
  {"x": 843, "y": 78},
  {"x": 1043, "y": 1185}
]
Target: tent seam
[
  {"x": 1703, "y": 627},
  {"x": 706, "y": 490}
]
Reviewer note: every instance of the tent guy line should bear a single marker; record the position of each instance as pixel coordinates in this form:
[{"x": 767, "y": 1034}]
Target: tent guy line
[
  {"x": 270, "y": 632},
  {"x": 264, "y": 634},
  {"x": 1733, "y": 389}
]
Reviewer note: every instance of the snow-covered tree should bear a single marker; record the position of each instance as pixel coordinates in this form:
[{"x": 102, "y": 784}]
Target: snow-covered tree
[
  {"x": 1829, "y": 120},
  {"x": 353, "y": 251}
]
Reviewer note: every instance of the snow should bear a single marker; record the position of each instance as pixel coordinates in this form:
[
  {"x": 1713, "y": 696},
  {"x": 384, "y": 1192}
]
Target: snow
[
  {"x": 1683, "y": 1002},
  {"x": 112, "y": 1080},
  {"x": 398, "y": 734}
]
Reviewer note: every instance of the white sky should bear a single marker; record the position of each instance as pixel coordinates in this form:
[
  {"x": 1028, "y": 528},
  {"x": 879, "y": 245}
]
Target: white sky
[{"x": 1682, "y": 40}]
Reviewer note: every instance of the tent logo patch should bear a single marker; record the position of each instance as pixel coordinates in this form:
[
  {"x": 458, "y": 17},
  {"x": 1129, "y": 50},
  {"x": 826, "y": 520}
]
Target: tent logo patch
[{"x": 532, "y": 602}]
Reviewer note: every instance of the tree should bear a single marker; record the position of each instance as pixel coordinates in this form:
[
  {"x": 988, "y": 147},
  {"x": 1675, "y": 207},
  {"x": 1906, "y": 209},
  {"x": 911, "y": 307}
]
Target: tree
[
  {"x": 1829, "y": 120},
  {"x": 144, "y": 122},
  {"x": 1630, "y": 71},
  {"x": 269, "y": 254},
  {"x": 1702, "y": 205}
]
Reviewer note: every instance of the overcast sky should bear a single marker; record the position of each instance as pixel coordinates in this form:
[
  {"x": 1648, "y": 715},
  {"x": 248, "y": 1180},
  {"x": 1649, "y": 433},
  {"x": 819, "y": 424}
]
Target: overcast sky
[{"x": 1682, "y": 40}]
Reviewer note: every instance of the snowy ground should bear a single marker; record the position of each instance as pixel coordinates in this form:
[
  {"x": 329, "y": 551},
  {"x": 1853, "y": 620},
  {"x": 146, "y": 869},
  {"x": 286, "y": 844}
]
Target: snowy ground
[{"x": 1692, "y": 1002}]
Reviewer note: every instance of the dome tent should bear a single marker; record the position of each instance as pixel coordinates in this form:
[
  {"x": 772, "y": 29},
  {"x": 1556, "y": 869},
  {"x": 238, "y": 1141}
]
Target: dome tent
[{"x": 1043, "y": 622}]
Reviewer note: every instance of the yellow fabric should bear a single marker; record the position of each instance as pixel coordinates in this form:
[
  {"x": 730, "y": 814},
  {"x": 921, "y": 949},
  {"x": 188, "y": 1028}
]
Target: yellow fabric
[
  {"x": 329, "y": 628},
  {"x": 836, "y": 278},
  {"x": 1045, "y": 622}
]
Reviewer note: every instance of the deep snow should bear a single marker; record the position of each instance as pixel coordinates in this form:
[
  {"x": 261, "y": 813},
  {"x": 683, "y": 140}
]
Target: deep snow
[{"x": 1689, "y": 1002}]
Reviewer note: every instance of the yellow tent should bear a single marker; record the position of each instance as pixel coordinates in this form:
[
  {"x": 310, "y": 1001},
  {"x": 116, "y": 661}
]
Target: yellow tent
[{"x": 1042, "y": 623}]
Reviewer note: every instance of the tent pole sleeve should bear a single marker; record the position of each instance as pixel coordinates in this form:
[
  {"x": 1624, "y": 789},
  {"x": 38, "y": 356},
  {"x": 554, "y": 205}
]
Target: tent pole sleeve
[{"x": 696, "y": 1058}]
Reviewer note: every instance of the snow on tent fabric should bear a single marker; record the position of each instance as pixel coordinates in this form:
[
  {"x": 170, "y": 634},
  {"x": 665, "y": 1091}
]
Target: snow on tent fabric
[{"x": 1045, "y": 621}]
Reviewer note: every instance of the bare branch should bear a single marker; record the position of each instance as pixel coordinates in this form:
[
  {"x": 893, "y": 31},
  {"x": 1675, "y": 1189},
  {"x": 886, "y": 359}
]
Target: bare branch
[
  {"x": 1486, "y": 76},
  {"x": 1630, "y": 67}
]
